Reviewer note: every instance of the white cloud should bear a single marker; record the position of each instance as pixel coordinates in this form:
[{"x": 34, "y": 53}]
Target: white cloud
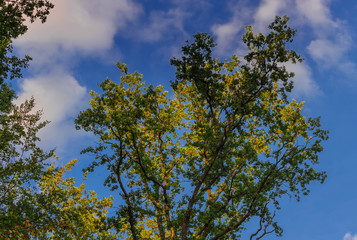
[
  {"x": 228, "y": 35},
  {"x": 325, "y": 50},
  {"x": 349, "y": 236},
  {"x": 331, "y": 51},
  {"x": 304, "y": 85},
  {"x": 58, "y": 94},
  {"x": 332, "y": 40},
  {"x": 162, "y": 24},
  {"x": 60, "y": 97},
  {"x": 266, "y": 13},
  {"x": 81, "y": 25},
  {"x": 316, "y": 11}
]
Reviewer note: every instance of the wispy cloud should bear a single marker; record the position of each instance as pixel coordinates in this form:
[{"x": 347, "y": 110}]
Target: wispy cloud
[
  {"x": 330, "y": 38},
  {"x": 267, "y": 11},
  {"x": 349, "y": 236},
  {"x": 304, "y": 85},
  {"x": 315, "y": 11},
  {"x": 228, "y": 34},
  {"x": 162, "y": 24},
  {"x": 331, "y": 52}
]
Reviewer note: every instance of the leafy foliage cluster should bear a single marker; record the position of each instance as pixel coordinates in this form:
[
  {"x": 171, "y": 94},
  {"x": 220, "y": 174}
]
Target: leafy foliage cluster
[
  {"x": 219, "y": 153},
  {"x": 36, "y": 201},
  {"x": 13, "y": 15}
]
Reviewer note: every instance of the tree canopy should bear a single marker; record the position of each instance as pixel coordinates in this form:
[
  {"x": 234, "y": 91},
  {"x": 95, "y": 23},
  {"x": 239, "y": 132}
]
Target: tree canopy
[
  {"x": 218, "y": 153},
  {"x": 36, "y": 200},
  {"x": 13, "y": 17}
]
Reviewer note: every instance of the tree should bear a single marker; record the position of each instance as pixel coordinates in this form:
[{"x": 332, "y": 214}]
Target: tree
[
  {"x": 22, "y": 162},
  {"x": 13, "y": 15},
  {"x": 63, "y": 211},
  {"x": 72, "y": 212},
  {"x": 218, "y": 154},
  {"x": 35, "y": 199}
]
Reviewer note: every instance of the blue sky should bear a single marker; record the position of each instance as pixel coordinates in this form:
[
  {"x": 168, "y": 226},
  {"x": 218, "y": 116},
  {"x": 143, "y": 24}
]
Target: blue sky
[{"x": 81, "y": 41}]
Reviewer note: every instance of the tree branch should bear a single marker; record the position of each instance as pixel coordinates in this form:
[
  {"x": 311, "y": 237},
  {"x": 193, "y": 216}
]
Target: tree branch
[{"x": 132, "y": 220}]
